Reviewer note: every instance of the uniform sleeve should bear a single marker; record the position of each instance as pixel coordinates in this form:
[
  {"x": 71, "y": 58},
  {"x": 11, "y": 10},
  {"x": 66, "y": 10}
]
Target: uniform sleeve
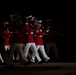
[
  {"x": 5, "y": 34},
  {"x": 26, "y": 27}
]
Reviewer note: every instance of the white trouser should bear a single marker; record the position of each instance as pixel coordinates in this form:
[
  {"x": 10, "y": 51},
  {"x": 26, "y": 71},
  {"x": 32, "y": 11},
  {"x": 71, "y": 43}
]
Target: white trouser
[
  {"x": 1, "y": 58},
  {"x": 7, "y": 47},
  {"x": 4, "y": 55},
  {"x": 42, "y": 51},
  {"x": 34, "y": 50}
]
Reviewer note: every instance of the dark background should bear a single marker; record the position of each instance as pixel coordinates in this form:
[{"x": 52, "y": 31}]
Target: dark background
[{"x": 61, "y": 12}]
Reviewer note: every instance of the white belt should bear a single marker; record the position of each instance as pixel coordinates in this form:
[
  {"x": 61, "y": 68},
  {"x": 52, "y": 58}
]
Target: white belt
[
  {"x": 26, "y": 23},
  {"x": 26, "y": 33},
  {"x": 32, "y": 33},
  {"x": 40, "y": 36}
]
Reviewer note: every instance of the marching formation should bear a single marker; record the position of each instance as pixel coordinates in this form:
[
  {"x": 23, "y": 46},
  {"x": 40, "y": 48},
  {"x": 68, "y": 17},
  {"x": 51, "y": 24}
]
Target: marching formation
[{"x": 26, "y": 40}]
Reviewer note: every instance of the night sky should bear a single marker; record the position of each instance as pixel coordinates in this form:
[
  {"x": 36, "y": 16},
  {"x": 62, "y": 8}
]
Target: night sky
[
  {"x": 60, "y": 11},
  {"x": 44, "y": 9}
]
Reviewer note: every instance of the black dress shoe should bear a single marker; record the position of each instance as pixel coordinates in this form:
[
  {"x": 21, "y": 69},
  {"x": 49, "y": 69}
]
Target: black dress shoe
[
  {"x": 48, "y": 61},
  {"x": 0, "y": 62},
  {"x": 40, "y": 62},
  {"x": 29, "y": 62},
  {"x": 32, "y": 62},
  {"x": 26, "y": 63}
]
